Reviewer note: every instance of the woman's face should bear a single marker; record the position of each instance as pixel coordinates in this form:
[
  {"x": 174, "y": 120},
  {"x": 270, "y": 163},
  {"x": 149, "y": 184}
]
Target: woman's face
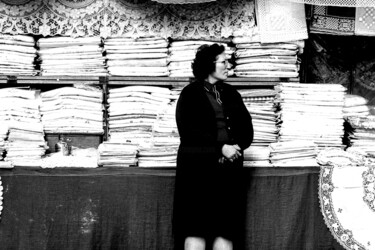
[{"x": 221, "y": 72}]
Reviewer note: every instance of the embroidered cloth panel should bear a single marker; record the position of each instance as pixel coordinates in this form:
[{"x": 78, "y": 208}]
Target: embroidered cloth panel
[
  {"x": 281, "y": 21},
  {"x": 343, "y": 20}
]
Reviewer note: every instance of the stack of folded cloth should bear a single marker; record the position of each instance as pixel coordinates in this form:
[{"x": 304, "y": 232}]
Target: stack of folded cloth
[
  {"x": 132, "y": 112},
  {"x": 254, "y": 59},
  {"x": 17, "y": 55},
  {"x": 164, "y": 130},
  {"x": 3, "y": 135},
  {"x": 257, "y": 156},
  {"x": 355, "y": 105},
  {"x": 19, "y": 110},
  {"x": 182, "y": 54},
  {"x": 71, "y": 56},
  {"x": 157, "y": 157},
  {"x": 311, "y": 112},
  {"x": 116, "y": 154},
  {"x": 361, "y": 133},
  {"x": 137, "y": 57},
  {"x": 165, "y": 140},
  {"x": 261, "y": 106},
  {"x": 77, "y": 109},
  {"x": 293, "y": 154}
]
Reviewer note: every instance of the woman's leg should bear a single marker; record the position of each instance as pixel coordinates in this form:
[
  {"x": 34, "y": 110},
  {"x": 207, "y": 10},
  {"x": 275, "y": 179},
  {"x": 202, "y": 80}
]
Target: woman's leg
[
  {"x": 195, "y": 243},
  {"x": 222, "y": 244}
]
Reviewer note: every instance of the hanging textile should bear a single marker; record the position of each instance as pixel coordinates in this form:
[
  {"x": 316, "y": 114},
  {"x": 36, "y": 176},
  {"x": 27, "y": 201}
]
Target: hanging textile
[
  {"x": 280, "y": 21},
  {"x": 343, "y": 20},
  {"x": 126, "y": 18},
  {"x": 342, "y": 3}
]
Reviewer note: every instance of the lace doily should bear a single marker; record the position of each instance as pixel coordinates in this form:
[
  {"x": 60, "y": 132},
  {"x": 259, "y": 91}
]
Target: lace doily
[
  {"x": 126, "y": 18},
  {"x": 346, "y": 200}
]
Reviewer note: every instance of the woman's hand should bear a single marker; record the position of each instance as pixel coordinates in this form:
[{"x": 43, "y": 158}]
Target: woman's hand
[{"x": 231, "y": 152}]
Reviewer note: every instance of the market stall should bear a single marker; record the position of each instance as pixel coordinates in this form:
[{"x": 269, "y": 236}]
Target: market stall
[{"x": 103, "y": 77}]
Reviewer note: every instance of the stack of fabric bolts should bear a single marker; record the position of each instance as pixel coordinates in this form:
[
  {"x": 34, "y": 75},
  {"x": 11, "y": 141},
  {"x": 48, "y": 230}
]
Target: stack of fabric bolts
[
  {"x": 182, "y": 54},
  {"x": 3, "y": 136},
  {"x": 71, "y": 56},
  {"x": 137, "y": 57},
  {"x": 312, "y": 112},
  {"x": 76, "y": 109},
  {"x": 165, "y": 140},
  {"x": 362, "y": 133},
  {"x": 355, "y": 105},
  {"x": 260, "y": 103},
  {"x": 19, "y": 110},
  {"x": 266, "y": 60},
  {"x": 293, "y": 154},
  {"x": 133, "y": 111},
  {"x": 112, "y": 154},
  {"x": 17, "y": 55}
]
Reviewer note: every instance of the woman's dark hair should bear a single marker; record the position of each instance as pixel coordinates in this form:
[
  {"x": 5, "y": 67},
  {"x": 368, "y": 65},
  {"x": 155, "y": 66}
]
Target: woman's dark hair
[{"x": 204, "y": 62}]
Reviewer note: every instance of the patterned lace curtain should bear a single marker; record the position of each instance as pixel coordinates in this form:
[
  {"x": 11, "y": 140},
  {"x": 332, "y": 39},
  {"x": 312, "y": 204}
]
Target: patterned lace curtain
[
  {"x": 127, "y": 18},
  {"x": 341, "y": 3}
]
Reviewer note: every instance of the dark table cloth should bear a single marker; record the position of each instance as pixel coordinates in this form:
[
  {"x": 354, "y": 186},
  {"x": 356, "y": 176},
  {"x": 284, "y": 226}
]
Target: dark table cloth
[{"x": 131, "y": 208}]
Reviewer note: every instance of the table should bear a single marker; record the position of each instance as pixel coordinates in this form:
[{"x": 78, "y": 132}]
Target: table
[{"x": 131, "y": 208}]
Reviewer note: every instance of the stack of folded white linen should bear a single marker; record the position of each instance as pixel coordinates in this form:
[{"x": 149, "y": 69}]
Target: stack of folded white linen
[
  {"x": 3, "y": 135},
  {"x": 145, "y": 56},
  {"x": 362, "y": 133},
  {"x": 113, "y": 154},
  {"x": 254, "y": 59},
  {"x": 257, "y": 156},
  {"x": 77, "y": 109},
  {"x": 182, "y": 54},
  {"x": 312, "y": 112},
  {"x": 157, "y": 157},
  {"x": 295, "y": 153},
  {"x": 132, "y": 112},
  {"x": 71, "y": 56},
  {"x": 19, "y": 110},
  {"x": 261, "y": 106},
  {"x": 164, "y": 130},
  {"x": 355, "y": 105},
  {"x": 165, "y": 140},
  {"x": 17, "y": 55}
]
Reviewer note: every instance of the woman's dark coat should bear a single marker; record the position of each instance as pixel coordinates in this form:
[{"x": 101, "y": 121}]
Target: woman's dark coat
[{"x": 207, "y": 194}]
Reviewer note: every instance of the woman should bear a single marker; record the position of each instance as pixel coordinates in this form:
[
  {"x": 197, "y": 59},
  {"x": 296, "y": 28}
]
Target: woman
[{"x": 215, "y": 127}]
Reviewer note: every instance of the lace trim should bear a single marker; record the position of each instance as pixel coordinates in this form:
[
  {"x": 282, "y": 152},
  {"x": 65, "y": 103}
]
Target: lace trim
[{"x": 127, "y": 18}]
